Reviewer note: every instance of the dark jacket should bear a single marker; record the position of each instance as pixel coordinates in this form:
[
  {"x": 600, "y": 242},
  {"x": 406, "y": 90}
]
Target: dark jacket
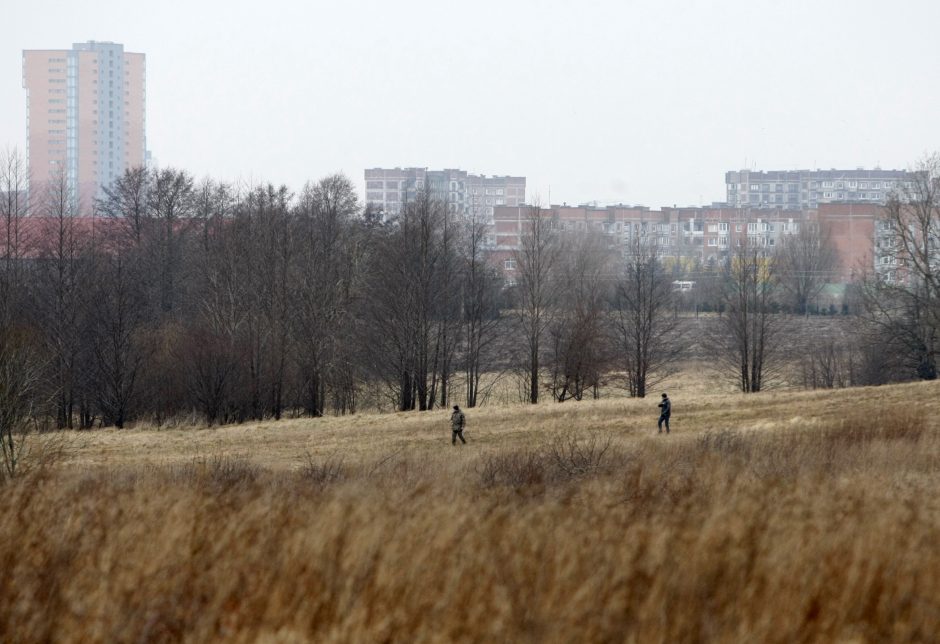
[
  {"x": 457, "y": 421},
  {"x": 666, "y": 407}
]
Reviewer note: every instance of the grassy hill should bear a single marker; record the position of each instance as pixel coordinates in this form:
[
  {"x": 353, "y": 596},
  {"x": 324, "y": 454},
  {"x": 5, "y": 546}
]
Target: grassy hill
[{"x": 809, "y": 516}]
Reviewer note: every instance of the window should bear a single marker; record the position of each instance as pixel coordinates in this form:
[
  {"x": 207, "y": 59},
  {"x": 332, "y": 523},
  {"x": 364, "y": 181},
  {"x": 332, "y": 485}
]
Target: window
[
  {"x": 712, "y": 241},
  {"x": 723, "y": 227},
  {"x": 509, "y": 264},
  {"x": 713, "y": 228},
  {"x": 738, "y": 228}
]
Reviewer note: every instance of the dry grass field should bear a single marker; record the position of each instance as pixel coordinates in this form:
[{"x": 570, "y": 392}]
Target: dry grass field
[{"x": 778, "y": 517}]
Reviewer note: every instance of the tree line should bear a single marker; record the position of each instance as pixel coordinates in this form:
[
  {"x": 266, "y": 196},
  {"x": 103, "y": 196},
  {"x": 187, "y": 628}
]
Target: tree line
[{"x": 203, "y": 299}]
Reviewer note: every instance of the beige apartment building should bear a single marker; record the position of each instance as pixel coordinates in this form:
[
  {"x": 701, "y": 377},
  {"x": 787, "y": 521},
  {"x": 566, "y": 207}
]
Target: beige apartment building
[
  {"x": 388, "y": 189},
  {"x": 86, "y": 117}
]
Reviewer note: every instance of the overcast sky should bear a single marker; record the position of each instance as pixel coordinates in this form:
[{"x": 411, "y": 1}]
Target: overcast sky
[{"x": 614, "y": 101}]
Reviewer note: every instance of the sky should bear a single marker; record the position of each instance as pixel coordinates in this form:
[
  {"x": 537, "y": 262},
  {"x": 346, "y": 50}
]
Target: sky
[{"x": 594, "y": 100}]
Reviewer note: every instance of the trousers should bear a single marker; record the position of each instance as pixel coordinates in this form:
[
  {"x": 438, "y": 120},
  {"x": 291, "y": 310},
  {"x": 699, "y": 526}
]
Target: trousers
[
  {"x": 455, "y": 434},
  {"x": 663, "y": 419}
]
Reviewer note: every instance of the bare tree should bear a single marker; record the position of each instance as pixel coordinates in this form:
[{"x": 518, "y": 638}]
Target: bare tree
[
  {"x": 578, "y": 331},
  {"x": 648, "y": 332},
  {"x": 902, "y": 297},
  {"x": 60, "y": 287},
  {"x": 325, "y": 281},
  {"x": 537, "y": 288},
  {"x": 747, "y": 337},
  {"x": 128, "y": 200},
  {"x": 118, "y": 316},
  {"x": 172, "y": 203},
  {"x": 210, "y": 350},
  {"x": 805, "y": 263},
  {"x": 480, "y": 284},
  {"x": 13, "y": 232},
  {"x": 409, "y": 299},
  {"x": 19, "y": 378}
]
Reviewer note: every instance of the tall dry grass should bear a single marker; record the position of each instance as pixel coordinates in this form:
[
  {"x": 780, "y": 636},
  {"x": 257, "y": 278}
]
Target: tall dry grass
[{"x": 827, "y": 533}]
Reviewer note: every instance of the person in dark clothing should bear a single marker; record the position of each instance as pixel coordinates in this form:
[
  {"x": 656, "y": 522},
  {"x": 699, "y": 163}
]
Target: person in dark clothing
[
  {"x": 457, "y": 422},
  {"x": 665, "y": 410}
]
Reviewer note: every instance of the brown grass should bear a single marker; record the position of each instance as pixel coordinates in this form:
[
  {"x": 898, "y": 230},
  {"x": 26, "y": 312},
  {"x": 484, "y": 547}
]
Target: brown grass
[{"x": 783, "y": 517}]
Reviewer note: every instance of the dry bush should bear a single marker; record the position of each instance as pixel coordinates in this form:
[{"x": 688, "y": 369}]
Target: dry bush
[
  {"x": 574, "y": 455},
  {"x": 327, "y": 471},
  {"x": 566, "y": 456},
  {"x": 524, "y": 468}
]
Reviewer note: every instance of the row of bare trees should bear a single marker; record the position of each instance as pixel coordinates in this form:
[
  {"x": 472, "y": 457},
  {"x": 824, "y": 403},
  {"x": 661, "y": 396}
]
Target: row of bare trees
[
  {"x": 236, "y": 304},
  {"x": 228, "y": 303}
]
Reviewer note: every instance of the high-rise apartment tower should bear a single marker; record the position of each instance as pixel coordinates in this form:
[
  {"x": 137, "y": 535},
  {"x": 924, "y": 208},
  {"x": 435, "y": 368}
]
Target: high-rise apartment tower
[{"x": 86, "y": 117}]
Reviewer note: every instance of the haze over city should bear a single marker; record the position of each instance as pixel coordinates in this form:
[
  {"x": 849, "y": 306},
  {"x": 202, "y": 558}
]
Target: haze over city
[{"x": 640, "y": 102}]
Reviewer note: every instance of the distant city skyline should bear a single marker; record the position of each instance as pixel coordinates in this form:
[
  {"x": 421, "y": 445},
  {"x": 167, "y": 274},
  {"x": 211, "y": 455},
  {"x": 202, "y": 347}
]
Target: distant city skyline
[{"x": 639, "y": 103}]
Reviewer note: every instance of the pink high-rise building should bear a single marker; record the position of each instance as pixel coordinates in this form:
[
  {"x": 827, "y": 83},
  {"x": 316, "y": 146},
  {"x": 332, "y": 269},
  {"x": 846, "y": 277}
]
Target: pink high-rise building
[{"x": 86, "y": 117}]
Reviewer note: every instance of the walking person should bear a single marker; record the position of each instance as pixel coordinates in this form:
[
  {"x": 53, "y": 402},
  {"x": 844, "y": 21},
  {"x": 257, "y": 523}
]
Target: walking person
[
  {"x": 665, "y": 410},
  {"x": 457, "y": 422}
]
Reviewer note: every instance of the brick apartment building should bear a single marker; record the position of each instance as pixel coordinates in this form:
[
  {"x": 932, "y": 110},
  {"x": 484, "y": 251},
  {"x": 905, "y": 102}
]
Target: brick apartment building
[
  {"x": 85, "y": 116},
  {"x": 389, "y": 188},
  {"x": 703, "y": 236}
]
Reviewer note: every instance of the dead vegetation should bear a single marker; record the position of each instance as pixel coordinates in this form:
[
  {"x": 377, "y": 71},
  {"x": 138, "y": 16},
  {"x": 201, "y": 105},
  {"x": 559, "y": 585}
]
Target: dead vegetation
[{"x": 820, "y": 530}]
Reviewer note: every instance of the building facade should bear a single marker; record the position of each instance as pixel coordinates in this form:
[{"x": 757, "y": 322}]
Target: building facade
[
  {"x": 809, "y": 189},
  {"x": 700, "y": 239},
  {"x": 388, "y": 189},
  {"x": 86, "y": 116}
]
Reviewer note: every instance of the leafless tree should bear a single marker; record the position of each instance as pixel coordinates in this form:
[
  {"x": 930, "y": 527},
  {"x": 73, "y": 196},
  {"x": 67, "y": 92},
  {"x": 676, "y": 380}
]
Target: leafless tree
[
  {"x": 62, "y": 280},
  {"x": 14, "y": 239},
  {"x": 649, "y": 338},
  {"x": 481, "y": 284},
  {"x": 326, "y": 282},
  {"x": 171, "y": 199},
  {"x": 127, "y": 200},
  {"x": 578, "y": 331},
  {"x": 806, "y": 261},
  {"x": 209, "y": 351},
  {"x": 537, "y": 288},
  {"x": 118, "y": 315},
  {"x": 902, "y": 297},
  {"x": 747, "y": 340},
  {"x": 409, "y": 299},
  {"x": 19, "y": 380}
]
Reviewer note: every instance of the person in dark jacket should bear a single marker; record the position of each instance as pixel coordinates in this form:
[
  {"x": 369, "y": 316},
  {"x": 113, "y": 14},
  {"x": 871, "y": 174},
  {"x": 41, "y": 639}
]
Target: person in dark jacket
[
  {"x": 665, "y": 410},
  {"x": 457, "y": 422}
]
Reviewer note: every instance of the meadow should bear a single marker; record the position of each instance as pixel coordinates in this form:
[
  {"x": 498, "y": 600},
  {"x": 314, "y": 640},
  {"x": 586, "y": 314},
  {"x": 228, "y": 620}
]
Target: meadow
[{"x": 777, "y": 517}]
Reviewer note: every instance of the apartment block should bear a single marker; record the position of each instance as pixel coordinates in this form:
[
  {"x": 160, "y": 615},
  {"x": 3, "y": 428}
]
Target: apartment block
[
  {"x": 807, "y": 189},
  {"x": 388, "y": 189},
  {"x": 86, "y": 116},
  {"x": 700, "y": 238}
]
